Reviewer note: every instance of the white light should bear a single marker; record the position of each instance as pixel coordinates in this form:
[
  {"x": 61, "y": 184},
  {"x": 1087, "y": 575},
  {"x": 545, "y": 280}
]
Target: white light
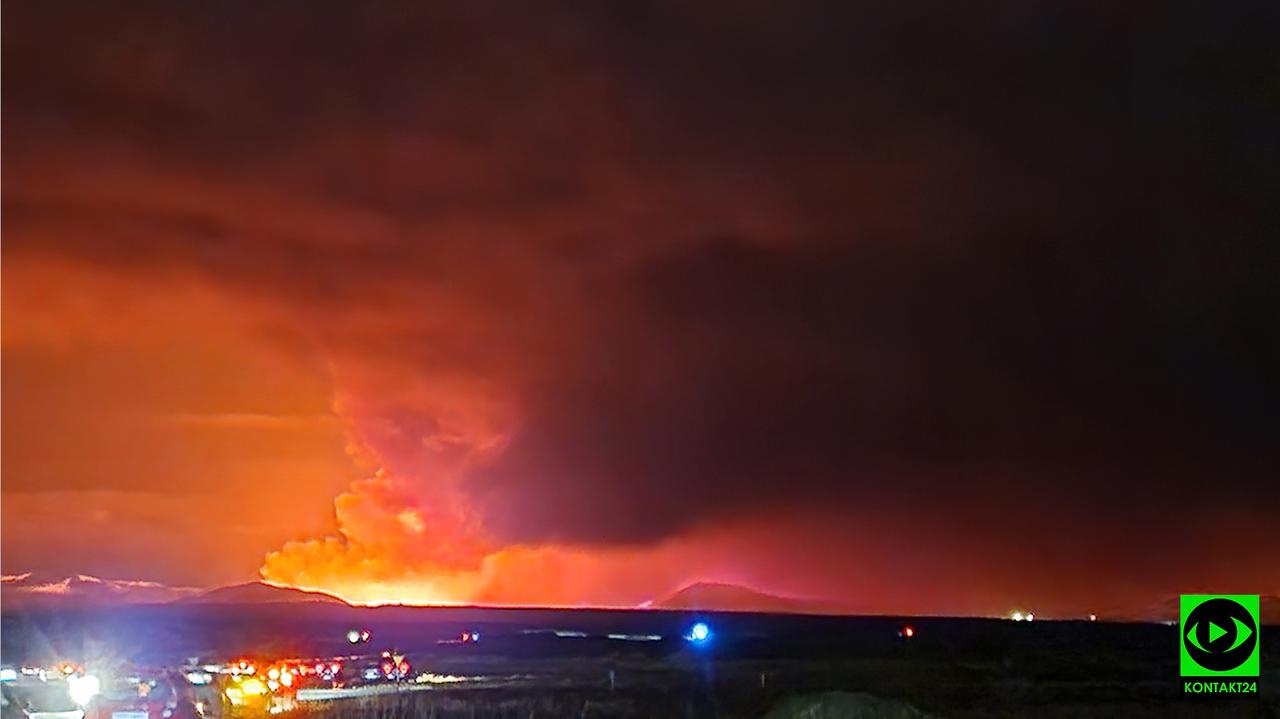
[
  {"x": 1016, "y": 616},
  {"x": 1031, "y": 617},
  {"x": 8, "y": 675},
  {"x": 199, "y": 677},
  {"x": 83, "y": 688},
  {"x": 353, "y": 636},
  {"x": 1093, "y": 617}
]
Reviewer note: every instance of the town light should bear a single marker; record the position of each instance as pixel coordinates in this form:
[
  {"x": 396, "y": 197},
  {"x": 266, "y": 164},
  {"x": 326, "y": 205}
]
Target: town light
[{"x": 83, "y": 688}]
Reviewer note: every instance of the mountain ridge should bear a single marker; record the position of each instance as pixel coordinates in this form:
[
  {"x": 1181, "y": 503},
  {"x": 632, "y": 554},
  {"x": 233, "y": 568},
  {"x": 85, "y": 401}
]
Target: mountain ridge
[
  {"x": 259, "y": 592},
  {"x": 28, "y": 590},
  {"x": 724, "y": 597}
]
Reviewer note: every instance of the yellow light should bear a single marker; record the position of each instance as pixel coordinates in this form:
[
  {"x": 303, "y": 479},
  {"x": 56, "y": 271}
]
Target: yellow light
[
  {"x": 235, "y": 695},
  {"x": 273, "y": 673},
  {"x": 287, "y": 679},
  {"x": 253, "y": 687}
]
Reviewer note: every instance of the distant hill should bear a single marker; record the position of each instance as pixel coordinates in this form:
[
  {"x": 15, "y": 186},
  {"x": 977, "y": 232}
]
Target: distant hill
[
  {"x": 1167, "y": 610},
  {"x": 714, "y": 596},
  {"x": 24, "y": 591},
  {"x": 27, "y": 591},
  {"x": 259, "y": 593}
]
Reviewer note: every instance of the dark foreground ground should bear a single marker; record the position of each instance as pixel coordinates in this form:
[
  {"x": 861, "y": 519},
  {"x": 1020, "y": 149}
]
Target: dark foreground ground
[{"x": 756, "y": 666}]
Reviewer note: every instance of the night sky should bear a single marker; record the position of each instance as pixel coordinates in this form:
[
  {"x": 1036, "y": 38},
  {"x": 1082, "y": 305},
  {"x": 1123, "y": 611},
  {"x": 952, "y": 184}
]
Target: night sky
[{"x": 911, "y": 307}]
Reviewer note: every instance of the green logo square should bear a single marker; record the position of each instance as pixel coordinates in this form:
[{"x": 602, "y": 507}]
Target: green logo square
[{"x": 1219, "y": 635}]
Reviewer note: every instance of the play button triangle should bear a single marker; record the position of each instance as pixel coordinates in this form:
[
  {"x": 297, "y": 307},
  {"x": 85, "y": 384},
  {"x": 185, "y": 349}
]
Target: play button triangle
[{"x": 1215, "y": 631}]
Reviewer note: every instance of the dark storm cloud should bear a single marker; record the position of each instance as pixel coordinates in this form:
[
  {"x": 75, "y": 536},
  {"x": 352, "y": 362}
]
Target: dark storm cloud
[
  {"x": 1080, "y": 307},
  {"x": 747, "y": 377},
  {"x": 721, "y": 260}
]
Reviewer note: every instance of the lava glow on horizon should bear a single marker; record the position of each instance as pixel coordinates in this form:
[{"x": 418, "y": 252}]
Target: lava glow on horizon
[{"x": 539, "y": 308}]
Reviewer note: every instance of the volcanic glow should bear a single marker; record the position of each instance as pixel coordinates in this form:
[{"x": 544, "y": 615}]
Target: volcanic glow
[{"x": 532, "y": 308}]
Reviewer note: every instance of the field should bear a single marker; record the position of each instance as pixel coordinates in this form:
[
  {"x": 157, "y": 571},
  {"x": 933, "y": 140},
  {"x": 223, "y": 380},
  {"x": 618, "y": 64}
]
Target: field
[
  {"x": 756, "y": 665},
  {"x": 794, "y": 687}
]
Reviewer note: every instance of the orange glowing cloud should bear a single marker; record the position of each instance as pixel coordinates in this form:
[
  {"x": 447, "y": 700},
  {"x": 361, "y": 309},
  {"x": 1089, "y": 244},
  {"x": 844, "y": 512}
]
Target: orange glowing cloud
[{"x": 561, "y": 315}]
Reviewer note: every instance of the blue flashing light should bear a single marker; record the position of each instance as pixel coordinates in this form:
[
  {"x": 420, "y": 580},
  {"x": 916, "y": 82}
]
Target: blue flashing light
[{"x": 699, "y": 634}]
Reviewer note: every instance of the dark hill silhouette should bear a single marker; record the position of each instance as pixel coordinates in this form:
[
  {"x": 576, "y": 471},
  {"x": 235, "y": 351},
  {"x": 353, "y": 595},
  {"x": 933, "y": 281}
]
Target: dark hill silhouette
[
  {"x": 1167, "y": 610},
  {"x": 259, "y": 593},
  {"x": 713, "y": 596}
]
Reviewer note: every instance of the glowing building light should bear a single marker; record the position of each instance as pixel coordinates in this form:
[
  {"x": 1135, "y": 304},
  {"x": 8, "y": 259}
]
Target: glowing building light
[
  {"x": 1017, "y": 616},
  {"x": 83, "y": 688},
  {"x": 353, "y": 636}
]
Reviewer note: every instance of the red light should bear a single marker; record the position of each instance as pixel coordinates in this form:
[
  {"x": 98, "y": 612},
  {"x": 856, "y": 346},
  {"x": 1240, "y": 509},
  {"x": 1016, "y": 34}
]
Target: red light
[
  {"x": 388, "y": 667},
  {"x": 404, "y": 668},
  {"x": 908, "y": 632}
]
